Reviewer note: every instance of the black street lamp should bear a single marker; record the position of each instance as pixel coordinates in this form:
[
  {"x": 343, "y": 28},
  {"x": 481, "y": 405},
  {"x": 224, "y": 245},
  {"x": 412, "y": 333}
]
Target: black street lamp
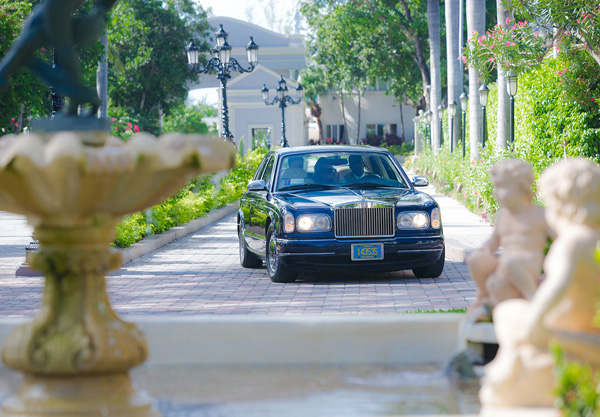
[
  {"x": 283, "y": 99},
  {"x": 511, "y": 86},
  {"x": 223, "y": 64},
  {"x": 483, "y": 98},
  {"x": 464, "y": 105},
  {"x": 441, "y": 117},
  {"x": 428, "y": 119},
  {"x": 452, "y": 113}
]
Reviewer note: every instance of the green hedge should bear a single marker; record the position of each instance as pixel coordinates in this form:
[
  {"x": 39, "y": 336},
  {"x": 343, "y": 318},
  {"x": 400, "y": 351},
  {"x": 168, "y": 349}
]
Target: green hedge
[
  {"x": 195, "y": 199},
  {"x": 549, "y": 125}
]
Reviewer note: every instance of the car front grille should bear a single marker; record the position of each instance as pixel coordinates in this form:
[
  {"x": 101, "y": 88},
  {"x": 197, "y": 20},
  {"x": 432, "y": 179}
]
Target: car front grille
[{"x": 364, "y": 221}]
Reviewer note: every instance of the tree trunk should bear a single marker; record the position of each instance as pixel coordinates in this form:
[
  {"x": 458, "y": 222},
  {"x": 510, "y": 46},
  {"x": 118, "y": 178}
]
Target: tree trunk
[
  {"x": 475, "y": 23},
  {"x": 102, "y": 79},
  {"x": 343, "y": 104},
  {"x": 454, "y": 66},
  {"x": 503, "y": 128},
  {"x": 401, "y": 122},
  {"x": 433, "y": 23},
  {"x": 315, "y": 111},
  {"x": 358, "y": 122}
]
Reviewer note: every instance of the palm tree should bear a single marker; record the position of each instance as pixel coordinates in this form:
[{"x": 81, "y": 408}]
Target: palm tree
[
  {"x": 475, "y": 25},
  {"x": 454, "y": 65},
  {"x": 433, "y": 24},
  {"x": 503, "y": 99}
]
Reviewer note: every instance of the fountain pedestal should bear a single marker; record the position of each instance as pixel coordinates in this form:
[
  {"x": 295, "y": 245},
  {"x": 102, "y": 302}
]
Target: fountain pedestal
[{"x": 76, "y": 352}]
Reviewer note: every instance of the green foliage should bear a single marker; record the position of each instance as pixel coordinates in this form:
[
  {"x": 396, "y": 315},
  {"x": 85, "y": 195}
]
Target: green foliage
[
  {"x": 148, "y": 37},
  {"x": 360, "y": 42},
  {"x": 25, "y": 90},
  {"x": 195, "y": 199},
  {"x": 578, "y": 390},
  {"x": 189, "y": 119},
  {"x": 518, "y": 47},
  {"x": 548, "y": 126}
]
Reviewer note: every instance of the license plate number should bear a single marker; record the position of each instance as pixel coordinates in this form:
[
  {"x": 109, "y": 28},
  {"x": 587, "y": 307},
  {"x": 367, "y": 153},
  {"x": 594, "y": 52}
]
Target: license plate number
[{"x": 367, "y": 252}]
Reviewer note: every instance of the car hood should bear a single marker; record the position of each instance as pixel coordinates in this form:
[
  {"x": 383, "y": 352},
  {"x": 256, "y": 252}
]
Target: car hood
[{"x": 342, "y": 196}]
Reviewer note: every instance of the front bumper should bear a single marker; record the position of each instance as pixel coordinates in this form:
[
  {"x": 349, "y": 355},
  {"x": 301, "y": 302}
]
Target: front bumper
[{"x": 335, "y": 254}]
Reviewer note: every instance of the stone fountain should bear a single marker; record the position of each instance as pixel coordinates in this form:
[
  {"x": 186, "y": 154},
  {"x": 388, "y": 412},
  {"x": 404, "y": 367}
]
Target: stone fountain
[
  {"x": 74, "y": 184},
  {"x": 76, "y": 353}
]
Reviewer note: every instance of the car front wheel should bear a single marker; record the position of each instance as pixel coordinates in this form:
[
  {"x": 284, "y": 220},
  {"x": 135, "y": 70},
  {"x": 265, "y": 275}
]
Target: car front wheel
[
  {"x": 277, "y": 272},
  {"x": 431, "y": 271},
  {"x": 247, "y": 258}
]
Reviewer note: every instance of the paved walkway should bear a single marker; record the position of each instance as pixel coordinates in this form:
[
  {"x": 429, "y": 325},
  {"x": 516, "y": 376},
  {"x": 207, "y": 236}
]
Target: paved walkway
[{"x": 200, "y": 274}]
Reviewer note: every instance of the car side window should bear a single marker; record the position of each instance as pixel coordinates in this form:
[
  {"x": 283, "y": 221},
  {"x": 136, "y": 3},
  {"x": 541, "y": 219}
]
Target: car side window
[
  {"x": 261, "y": 168},
  {"x": 268, "y": 173}
]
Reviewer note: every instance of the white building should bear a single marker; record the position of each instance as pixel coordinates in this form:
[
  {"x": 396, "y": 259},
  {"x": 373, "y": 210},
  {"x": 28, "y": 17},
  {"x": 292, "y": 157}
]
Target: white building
[
  {"x": 379, "y": 114},
  {"x": 256, "y": 123}
]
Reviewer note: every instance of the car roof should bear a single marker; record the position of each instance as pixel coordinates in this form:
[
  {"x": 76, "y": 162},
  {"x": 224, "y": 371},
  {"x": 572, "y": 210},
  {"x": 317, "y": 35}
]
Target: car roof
[{"x": 328, "y": 148}]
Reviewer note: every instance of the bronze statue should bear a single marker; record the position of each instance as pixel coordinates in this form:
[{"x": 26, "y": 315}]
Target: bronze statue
[{"x": 52, "y": 25}]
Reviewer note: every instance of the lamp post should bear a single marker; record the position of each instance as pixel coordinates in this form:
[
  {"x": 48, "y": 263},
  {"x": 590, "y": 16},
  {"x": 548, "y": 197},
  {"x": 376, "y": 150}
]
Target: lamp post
[
  {"x": 464, "y": 105},
  {"x": 452, "y": 113},
  {"x": 223, "y": 64},
  {"x": 511, "y": 86},
  {"x": 428, "y": 119},
  {"x": 441, "y": 117},
  {"x": 483, "y": 98},
  {"x": 283, "y": 99}
]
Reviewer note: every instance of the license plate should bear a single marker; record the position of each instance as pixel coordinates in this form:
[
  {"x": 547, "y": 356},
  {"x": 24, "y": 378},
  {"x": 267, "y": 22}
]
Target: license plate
[{"x": 367, "y": 252}]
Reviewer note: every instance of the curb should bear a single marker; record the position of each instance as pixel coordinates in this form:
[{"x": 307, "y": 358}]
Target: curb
[
  {"x": 456, "y": 251},
  {"x": 154, "y": 242}
]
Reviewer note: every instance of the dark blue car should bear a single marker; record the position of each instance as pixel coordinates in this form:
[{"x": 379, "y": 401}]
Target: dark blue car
[{"x": 338, "y": 209}]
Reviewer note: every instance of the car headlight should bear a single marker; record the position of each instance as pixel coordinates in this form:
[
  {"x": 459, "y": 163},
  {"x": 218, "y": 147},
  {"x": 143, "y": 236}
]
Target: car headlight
[
  {"x": 436, "y": 218},
  {"x": 313, "y": 223},
  {"x": 288, "y": 223},
  {"x": 413, "y": 220}
]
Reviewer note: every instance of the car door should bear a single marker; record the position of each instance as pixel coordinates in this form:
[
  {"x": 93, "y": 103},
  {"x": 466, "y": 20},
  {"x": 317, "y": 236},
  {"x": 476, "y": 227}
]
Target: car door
[{"x": 256, "y": 219}]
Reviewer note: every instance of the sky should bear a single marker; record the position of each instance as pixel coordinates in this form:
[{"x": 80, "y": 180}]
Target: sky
[{"x": 282, "y": 12}]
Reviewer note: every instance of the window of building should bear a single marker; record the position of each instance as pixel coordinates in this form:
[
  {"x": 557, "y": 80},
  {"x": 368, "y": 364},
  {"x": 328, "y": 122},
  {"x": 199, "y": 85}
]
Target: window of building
[
  {"x": 381, "y": 129},
  {"x": 335, "y": 133},
  {"x": 261, "y": 137}
]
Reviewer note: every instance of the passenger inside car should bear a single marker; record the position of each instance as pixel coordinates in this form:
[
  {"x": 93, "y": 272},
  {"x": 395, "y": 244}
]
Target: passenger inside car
[
  {"x": 324, "y": 172},
  {"x": 294, "y": 174}
]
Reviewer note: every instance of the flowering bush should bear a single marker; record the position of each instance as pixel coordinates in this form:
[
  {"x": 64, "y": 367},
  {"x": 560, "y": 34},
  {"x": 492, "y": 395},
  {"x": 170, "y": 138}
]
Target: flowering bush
[{"x": 517, "y": 47}]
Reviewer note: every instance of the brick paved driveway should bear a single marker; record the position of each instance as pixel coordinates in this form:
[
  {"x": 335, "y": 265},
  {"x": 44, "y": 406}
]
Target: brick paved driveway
[{"x": 201, "y": 274}]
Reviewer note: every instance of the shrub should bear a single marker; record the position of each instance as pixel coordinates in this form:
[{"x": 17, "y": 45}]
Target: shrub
[
  {"x": 549, "y": 125},
  {"x": 195, "y": 199}
]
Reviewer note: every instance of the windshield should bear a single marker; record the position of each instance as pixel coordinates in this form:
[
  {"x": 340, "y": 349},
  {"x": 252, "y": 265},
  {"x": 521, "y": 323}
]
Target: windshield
[{"x": 348, "y": 169}]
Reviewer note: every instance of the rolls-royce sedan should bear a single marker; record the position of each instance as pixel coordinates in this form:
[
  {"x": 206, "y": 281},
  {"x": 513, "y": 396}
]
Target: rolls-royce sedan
[{"x": 338, "y": 209}]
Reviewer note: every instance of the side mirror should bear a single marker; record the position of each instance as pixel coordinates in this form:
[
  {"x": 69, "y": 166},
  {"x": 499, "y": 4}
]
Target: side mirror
[
  {"x": 257, "y": 185},
  {"x": 420, "y": 181}
]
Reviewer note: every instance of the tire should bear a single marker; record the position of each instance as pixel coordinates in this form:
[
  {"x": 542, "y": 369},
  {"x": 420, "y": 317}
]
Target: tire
[
  {"x": 277, "y": 272},
  {"x": 432, "y": 271},
  {"x": 247, "y": 258}
]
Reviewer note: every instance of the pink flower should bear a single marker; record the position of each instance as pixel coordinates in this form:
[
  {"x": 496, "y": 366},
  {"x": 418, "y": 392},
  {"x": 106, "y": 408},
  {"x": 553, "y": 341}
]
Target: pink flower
[
  {"x": 43, "y": 50},
  {"x": 12, "y": 119},
  {"x": 507, "y": 21},
  {"x": 114, "y": 119},
  {"x": 136, "y": 128},
  {"x": 592, "y": 98},
  {"x": 507, "y": 43},
  {"x": 491, "y": 59},
  {"x": 579, "y": 79}
]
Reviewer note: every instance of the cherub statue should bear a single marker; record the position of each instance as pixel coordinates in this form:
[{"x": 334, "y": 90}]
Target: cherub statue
[
  {"x": 520, "y": 230},
  {"x": 52, "y": 25},
  {"x": 562, "y": 310}
]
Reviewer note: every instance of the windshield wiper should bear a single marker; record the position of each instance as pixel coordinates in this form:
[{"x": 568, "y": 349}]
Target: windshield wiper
[{"x": 307, "y": 187}]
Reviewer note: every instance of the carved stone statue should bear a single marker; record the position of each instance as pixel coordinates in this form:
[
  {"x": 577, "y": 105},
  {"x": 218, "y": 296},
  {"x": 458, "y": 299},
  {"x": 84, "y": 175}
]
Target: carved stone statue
[
  {"x": 522, "y": 233},
  {"x": 52, "y": 25},
  {"x": 563, "y": 308}
]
